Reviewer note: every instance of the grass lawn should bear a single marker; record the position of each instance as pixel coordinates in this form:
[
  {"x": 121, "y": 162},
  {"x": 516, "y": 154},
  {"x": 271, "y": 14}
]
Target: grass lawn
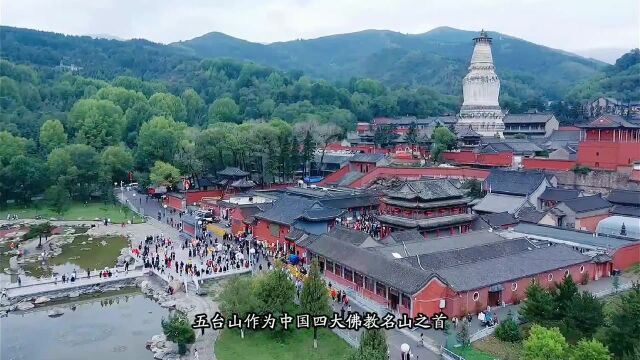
[
  {"x": 470, "y": 353},
  {"x": 499, "y": 349},
  {"x": 77, "y": 211},
  {"x": 261, "y": 345}
]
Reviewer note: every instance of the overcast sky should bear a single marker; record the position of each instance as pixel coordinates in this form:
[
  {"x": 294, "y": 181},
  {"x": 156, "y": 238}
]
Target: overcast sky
[{"x": 564, "y": 24}]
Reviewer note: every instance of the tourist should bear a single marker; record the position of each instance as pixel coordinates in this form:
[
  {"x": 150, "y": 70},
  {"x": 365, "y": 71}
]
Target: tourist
[
  {"x": 19, "y": 281},
  {"x": 195, "y": 352},
  {"x": 4, "y": 293}
]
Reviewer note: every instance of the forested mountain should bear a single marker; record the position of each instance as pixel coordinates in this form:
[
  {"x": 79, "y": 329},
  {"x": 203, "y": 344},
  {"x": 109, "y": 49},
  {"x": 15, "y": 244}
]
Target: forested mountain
[
  {"x": 620, "y": 81},
  {"x": 438, "y": 58}
]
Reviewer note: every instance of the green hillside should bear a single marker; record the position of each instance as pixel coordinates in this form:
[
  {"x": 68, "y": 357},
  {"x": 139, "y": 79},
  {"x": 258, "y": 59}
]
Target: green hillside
[{"x": 437, "y": 58}]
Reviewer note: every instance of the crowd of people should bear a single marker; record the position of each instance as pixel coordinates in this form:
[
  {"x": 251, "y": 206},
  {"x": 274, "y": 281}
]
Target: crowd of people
[{"x": 366, "y": 222}]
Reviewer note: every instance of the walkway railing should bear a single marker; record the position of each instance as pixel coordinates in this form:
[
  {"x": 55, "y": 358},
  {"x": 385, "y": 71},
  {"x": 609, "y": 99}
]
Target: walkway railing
[{"x": 449, "y": 355}]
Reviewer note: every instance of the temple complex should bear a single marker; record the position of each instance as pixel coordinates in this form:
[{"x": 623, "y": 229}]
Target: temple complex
[{"x": 481, "y": 87}]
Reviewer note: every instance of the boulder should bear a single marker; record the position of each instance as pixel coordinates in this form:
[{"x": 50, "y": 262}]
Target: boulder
[
  {"x": 25, "y": 306},
  {"x": 74, "y": 294},
  {"x": 157, "y": 338},
  {"x": 55, "y": 312},
  {"x": 42, "y": 300},
  {"x": 168, "y": 304},
  {"x": 170, "y": 347}
]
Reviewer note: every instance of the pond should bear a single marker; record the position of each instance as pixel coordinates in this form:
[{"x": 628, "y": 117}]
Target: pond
[
  {"x": 104, "y": 328},
  {"x": 83, "y": 253}
]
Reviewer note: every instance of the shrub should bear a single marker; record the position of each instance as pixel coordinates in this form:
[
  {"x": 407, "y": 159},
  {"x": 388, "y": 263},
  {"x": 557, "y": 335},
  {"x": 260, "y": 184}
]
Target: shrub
[
  {"x": 508, "y": 331},
  {"x": 178, "y": 330},
  {"x": 583, "y": 170}
]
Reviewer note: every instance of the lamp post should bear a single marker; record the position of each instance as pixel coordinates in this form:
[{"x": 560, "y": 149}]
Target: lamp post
[
  {"x": 405, "y": 352},
  {"x": 198, "y": 227},
  {"x": 165, "y": 209}
]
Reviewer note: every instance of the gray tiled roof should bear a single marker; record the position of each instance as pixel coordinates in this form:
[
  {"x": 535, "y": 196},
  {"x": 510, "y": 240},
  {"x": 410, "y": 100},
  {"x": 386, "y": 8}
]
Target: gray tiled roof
[
  {"x": 624, "y": 197},
  {"x": 526, "y": 118},
  {"x": 319, "y": 213},
  {"x": 286, "y": 209},
  {"x": 404, "y": 236},
  {"x": 445, "y": 243},
  {"x": 396, "y": 274},
  {"x": 495, "y": 271},
  {"x": 294, "y": 234},
  {"x": 497, "y": 203},
  {"x": 349, "y": 177},
  {"x": 444, "y": 259},
  {"x": 427, "y": 223},
  {"x": 499, "y": 219},
  {"x": 232, "y": 171},
  {"x": 626, "y": 210},
  {"x": 587, "y": 203},
  {"x": 367, "y": 158},
  {"x": 351, "y": 201},
  {"x": 428, "y": 189},
  {"x": 555, "y": 194},
  {"x": 573, "y": 236},
  {"x": 514, "y": 182},
  {"x": 354, "y": 237},
  {"x": 529, "y": 214},
  {"x": 608, "y": 121},
  {"x": 243, "y": 183}
]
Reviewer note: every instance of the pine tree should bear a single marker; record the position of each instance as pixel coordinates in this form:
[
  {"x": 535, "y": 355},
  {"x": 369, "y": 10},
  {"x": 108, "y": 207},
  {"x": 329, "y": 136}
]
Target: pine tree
[
  {"x": 178, "y": 330},
  {"x": 307, "y": 152},
  {"x": 314, "y": 298},
  {"x": 463, "y": 336},
  {"x": 294, "y": 157},
  {"x": 623, "y": 333},
  {"x": 539, "y": 306},
  {"x": 582, "y": 318},
  {"x": 373, "y": 346},
  {"x": 564, "y": 293}
]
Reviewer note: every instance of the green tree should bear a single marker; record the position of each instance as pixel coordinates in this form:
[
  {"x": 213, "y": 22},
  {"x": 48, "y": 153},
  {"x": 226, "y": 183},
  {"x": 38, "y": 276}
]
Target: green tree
[
  {"x": 195, "y": 107},
  {"x": 163, "y": 173},
  {"x": 11, "y": 146},
  {"x": 474, "y": 188},
  {"x": 384, "y": 135},
  {"x": 58, "y": 199},
  {"x": 508, "y": 330},
  {"x": 367, "y": 354},
  {"x": 237, "y": 297},
  {"x": 308, "y": 149},
  {"x": 463, "y": 336},
  {"x": 167, "y": 105},
  {"x": 52, "y": 135},
  {"x": 374, "y": 340},
  {"x": 563, "y": 294},
  {"x": 314, "y": 299},
  {"x": 275, "y": 293},
  {"x": 24, "y": 178},
  {"x": 159, "y": 140},
  {"x": 582, "y": 317},
  {"x": 622, "y": 336},
  {"x": 115, "y": 163},
  {"x": 444, "y": 137},
  {"x": 545, "y": 344},
  {"x": 76, "y": 167},
  {"x": 223, "y": 109},
  {"x": 178, "y": 330},
  {"x": 411, "y": 136},
  {"x": 539, "y": 305},
  {"x": 589, "y": 350},
  {"x": 134, "y": 117},
  {"x": 98, "y": 123},
  {"x": 122, "y": 97}
]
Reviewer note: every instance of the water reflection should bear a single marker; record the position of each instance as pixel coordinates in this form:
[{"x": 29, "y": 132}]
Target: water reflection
[{"x": 106, "y": 328}]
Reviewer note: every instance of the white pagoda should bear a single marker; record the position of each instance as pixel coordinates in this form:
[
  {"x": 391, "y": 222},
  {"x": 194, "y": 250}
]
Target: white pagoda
[{"x": 480, "y": 110}]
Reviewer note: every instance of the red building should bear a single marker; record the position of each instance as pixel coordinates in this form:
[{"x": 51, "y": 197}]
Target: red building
[
  {"x": 609, "y": 142},
  {"x": 435, "y": 207},
  {"x": 457, "y": 275},
  {"x": 180, "y": 200}
]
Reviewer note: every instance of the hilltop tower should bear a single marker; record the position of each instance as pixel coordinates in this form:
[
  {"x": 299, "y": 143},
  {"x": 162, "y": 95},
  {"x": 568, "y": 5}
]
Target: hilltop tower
[{"x": 481, "y": 87}]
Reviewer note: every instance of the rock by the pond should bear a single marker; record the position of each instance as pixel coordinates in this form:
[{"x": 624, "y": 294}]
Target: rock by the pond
[
  {"x": 25, "y": 306},
  {"x": 74, "y": 294},
  {"x": 168, "y": 304},
  {"x": 42, "y": 300},
  {"x": 55, "y": 312}
]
